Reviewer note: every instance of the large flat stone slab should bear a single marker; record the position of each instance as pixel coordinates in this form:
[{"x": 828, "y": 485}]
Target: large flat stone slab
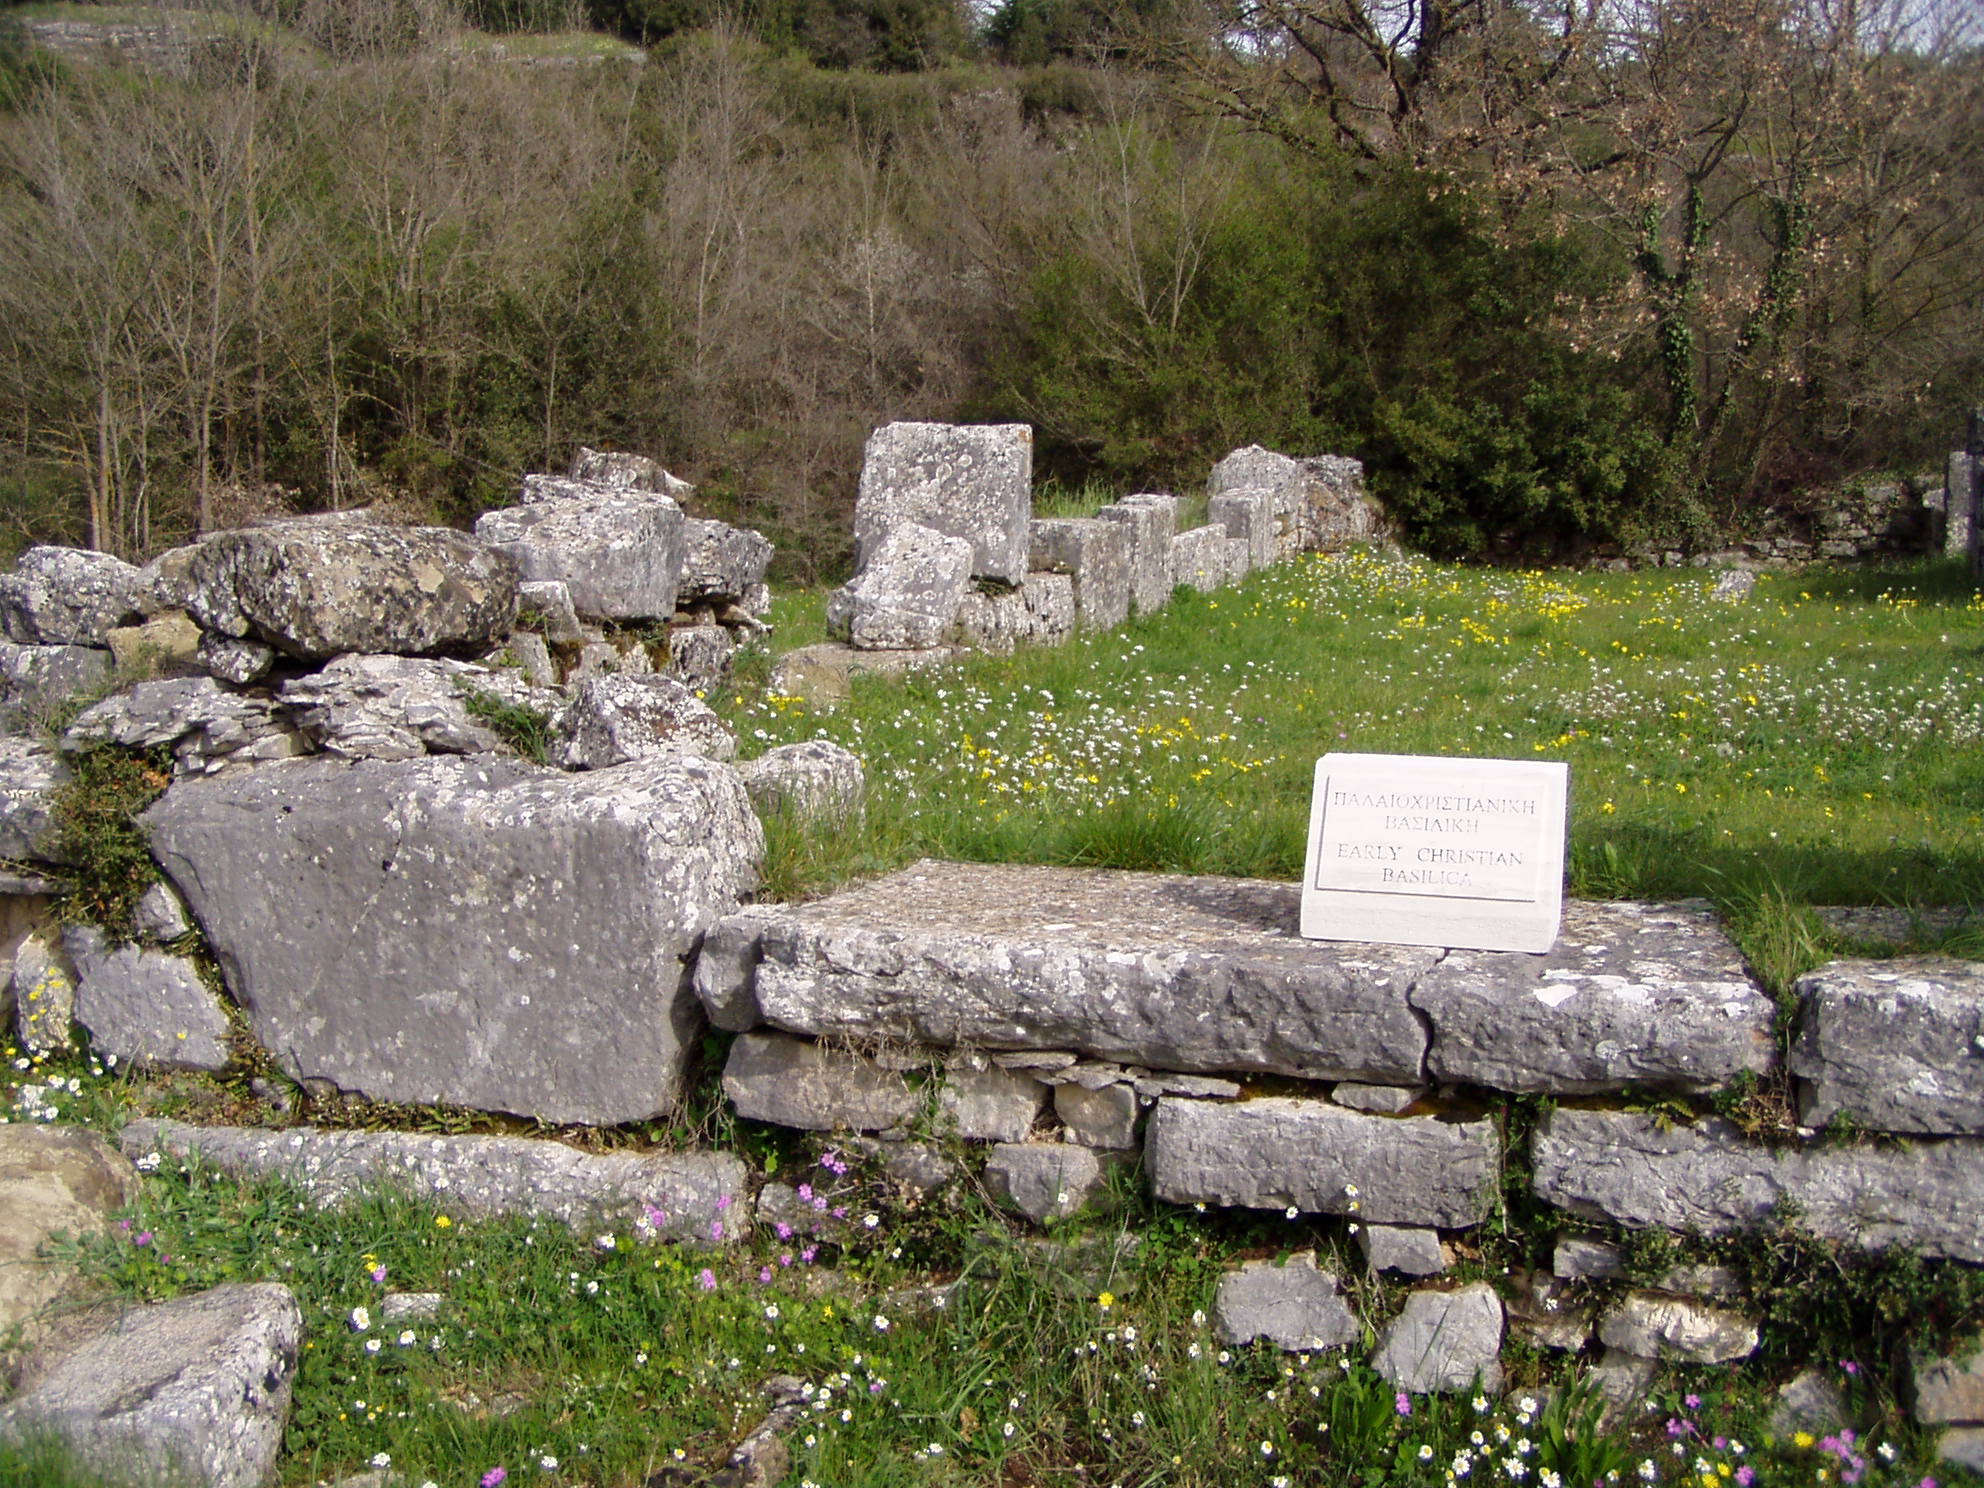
[
  {"x": 1624, "y": 1166},
  {"x": 1309, "y": 1155},
  {"x": 1896, "y": 1045},
  {"x": 1647, "y": 995},
  {"x": 1171, "y": 972},
  {"x": 474, "y": 1177},
  {"x": 470, "y": 930}
]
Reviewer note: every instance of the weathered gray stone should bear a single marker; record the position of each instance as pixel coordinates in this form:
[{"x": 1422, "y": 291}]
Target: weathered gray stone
[
  {"x": 1319, "y": 502},
  {"x": 30, "y": 774},
  {"x": 956, "y": 954},
  {"x": 1623, "y": 1166},
  {"x": 1949, "y": 1388},
  {"x": 823, "y": 675},
  {"x": 1897, "y": 925},
  {"x": 1671, "y": 1328},
  {"x": 165, "y": 643},
  {"x": 618, "y": 554},
  {"x": 1623, "y": 1380},
  {"x": 1587, "y": 1259},
  {"x": 1046, "y": 1180},
  {"x": 1148, "y": 521},
  {"x": 67, "y": 597},
  {"x": 195, "y": 1390},
  {"x": 618, "y": 470},
  {"x": 208, "y": 726},
  {"x": 907, "y": 593},
  {"x": 1089, "y": 1074},
  {"x": 314, "y": 591},
  {"x": 34, "y": 680},
  {"x": 1702, "y": 1281},
  {"x": 1959, "y": 503},
  {"x": 612, "y": 720},
  {"x": 1964, "y": 1446},
  {"x": 989, "y": 1104},
  {"x": 44, "y": 994},
  {"x": 526, "y": 657},
  {"x": 721, "y": 562},
  {"x": 1103, "y": 1117},
  {"x": 1808, "y": 1401},
  {"x": 624, "y": 656},
  {"x": 700, "y": 656},
  {"x": 1401, "y": 1248},
  {"x": 161, "y": 915},
  {"x": 1652, "y": 996},
  {"x": 1247, "y": 513},
  {"x": 54, "y": 1180},
  {"x": 1041, "y": 612},
  {"x": 1733, "y": 586},
  {"x": 545, "y": 605},
  {"x": 401, "y": 707},
  {"x": 1239, "y": 559},
  {"x": 231, "y": 660},
  {"x": 470, "y": 930},
  {"x": 1280, "y": 1152},
  {"x": 1543, "y": 1313},
  {"x": 790, "y": 1082},
  {"x": 401, "y": 1307},
  {"x": 148, "y": 1008},
  {"x": 815, "y": 777},
  {"x": 476, "y": 1177},
  {"x": 1150, "y": 1086},
  {"x": 1896, "y": 1045},
  {"x": 1096, "y": 556},
  {"x": 1386, "y": 1100},
  {"x": 1444, "y": 1342},
  {"x": 973, "y": 482},
  {"x": 1199, "y": 560},
  {"x": 1291, "y": 1304},
  {"x": 920, "y": 1166}
]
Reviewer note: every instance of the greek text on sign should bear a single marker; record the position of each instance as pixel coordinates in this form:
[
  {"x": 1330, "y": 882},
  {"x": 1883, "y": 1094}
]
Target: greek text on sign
[{"x": 1434, "y": 851}]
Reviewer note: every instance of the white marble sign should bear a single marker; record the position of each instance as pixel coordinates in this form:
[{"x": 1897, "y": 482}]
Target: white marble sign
[{"x": 1425, "y": 850}]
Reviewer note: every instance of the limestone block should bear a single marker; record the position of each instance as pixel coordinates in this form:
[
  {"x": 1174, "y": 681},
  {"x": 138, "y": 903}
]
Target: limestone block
[
  {"x": 161, "y": 914},
  {"x": 1733, "y": 586},
  {"x": 1543, "y": 1311},
  {"x": 1387, "y": 1100},
  {"x": 1622, "y": 1166},
  {"x": 54, "y": 1180},
  {"x": 195, "y": 1389},
  {"x": 30, "y": 774},
  {"x": 972, "y": 482},
  {"x": 921, "y": 1166},
  {"x": 721, "y": 562},
  {"x": 231, "y": 660},
  {"x": 1239, "y": 559},
  {"x": 1103, "y": 1117},
  {"x": 1959, "y": 503},
  {"x": 700, "y": 656},
  {"x": 147, "y": 1007},
  {"x": 618, "y": 470},
  {"x": 1949, "y": 1388},
  {"x": 1401, "y": 1248},
  {"x": 1964, "y": 1446},
  {"x": 907, "y": 593},
  {"x": 207, "y": 726},
  {"x": 44, "y": 994},
  {"x": 1896, "y": 1045},
  {"x": 170, "y": 641},
  {"x": 1588, "y": 1259},
  {"x": 1623, "y": 1379},
  {"x": 1096, "y": 556},
  {"x": 1809, "y": 1401},
  {"x": 1046, "y": 1180},
  {"x": 1671, "y": 1328},
  {"x": 619, "y": 554},
  {"x": 1041, "y": 612},
  {"x": 401, "y": 707},
  {"x": 1319, "y": 503},
  {"x": 989, "y": 1104},
  {"x": 614, "y": 719},
  {"x": 1282, "y": 1152},
  {"x": 67, "y": 597},
  {"x": 1149, "y": 522},
  {"x": 680, "y": 1195},
  {"x": 35, "y": 679},
  {"x": 823, "y": 675},
  {"x": 1445, "y": 1343},
  {"x": 318, "y": 590},
  {"x": 1247, "y": 512},
  {"x": 472, "y": 930},
  {"x": 815, "y": 777},
  {"x": 1652, "y": 996},
  {"x": 1198, "y": 559},
  {"x": 790, "y": 1082},
  {"x": 1292, "y": 1304},
  {"x": 547, "y": 605}
]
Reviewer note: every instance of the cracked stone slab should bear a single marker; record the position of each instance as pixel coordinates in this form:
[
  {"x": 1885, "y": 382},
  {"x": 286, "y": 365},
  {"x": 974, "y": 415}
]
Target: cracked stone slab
[
  {"x": 1295, "y": 1306},
  {"x": 1656, "y": 1327},
  {"x": 1282, "y": 1153},
  {"x": 1194, "y": 975},
  {"x": 1623, "y": 1166},
  {"x": 1444, "y": 1342},
  {"x": 1651, "y": 996},
  {"x": 474, "y": 1177},
  {"x": 1897, "y": 1045}
]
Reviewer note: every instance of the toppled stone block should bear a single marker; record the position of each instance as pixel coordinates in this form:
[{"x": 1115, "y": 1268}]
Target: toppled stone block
[
  {"x": 612, "y": 720},
  {"x": 813, "y": 778},
  {"x": 145, "y": 1007},
  {"x": 700, "y": 656},
  {"x": 1733, "y": 586},
  {"x": 1247, "y": 513},
  {"x": 1651, "y": 996},
  {"x": 789, "y": 1082},
  {"x": 721, "y": 562},
  {"x": 1896, "y": 1045},
  {"x": 401, "y": 707},
  {"x": 67, "y": 597},
  {"x": 1444, "y": 1343},
  {"x": 1280, "y": 1152},
  {"x": 679, "y": 1196},
  {"x": 957, "y": 954},
  {"x": 472, "y": 930},
  {"x": 619, "y": 470},
  {"x": 1623, "y": 1166},
  {"x": 54, "y": 1180},
  {"x": 34, "y": 680},
  {"x": 1198, "y": 559},
  {"x": 30, "y": 774},
  {"x": 1103, "y": 1117},
  {"x": 1293, "y": 1305},
  {"x": 1808, "y": 1401},
  {"x": 1401, "y": 1248},
  {"x": 208, "y": 726},
  {"x": 318, "y": 590},
  {"x": 618, "y": 554},
  {"x": 1949, "y": 1388},
  {"x": 1046, "y": 1180},
  {"x": 1096, "y": 557},
  {"x": 1041, "y": 612},
  {"x": 989, "y": 1104},
  {"x": 1670, "y": 1328},
  {"x": 971, "y": 482},
  {"x": 1319, "y": 503},
  {"x": 546, "y": 605},
  {"x": 1239, "y": 559},
  {"x": 907, "y": 593},
  {"x": 1148, "y": 521},
  {"x": 195, "y": 1389}
]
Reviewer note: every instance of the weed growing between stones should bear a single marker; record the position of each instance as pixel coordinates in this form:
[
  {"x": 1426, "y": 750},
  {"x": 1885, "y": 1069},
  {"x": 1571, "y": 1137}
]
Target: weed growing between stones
[
  {"x": 107, "y": 861},
  {"x": 526, "y": 730}
]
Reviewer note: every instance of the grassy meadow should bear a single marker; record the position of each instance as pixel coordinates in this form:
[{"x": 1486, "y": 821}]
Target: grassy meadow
[{"x": 1821, "y": 743}]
